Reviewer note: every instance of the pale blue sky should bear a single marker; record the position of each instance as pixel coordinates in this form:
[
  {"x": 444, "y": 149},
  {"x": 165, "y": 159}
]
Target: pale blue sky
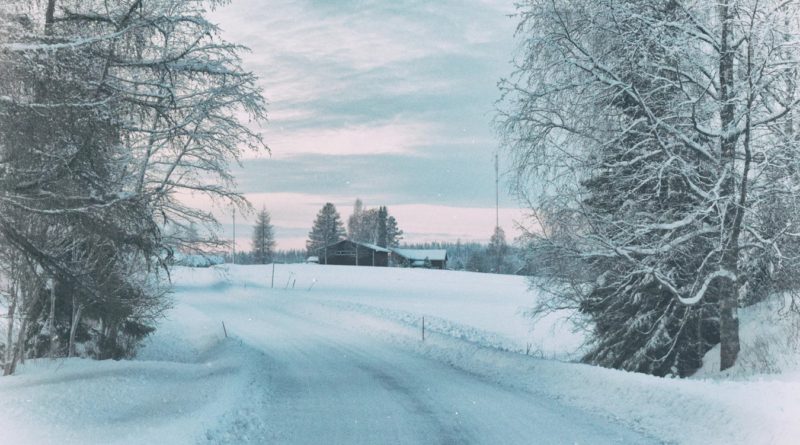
[{"x": 389, "y": 101}]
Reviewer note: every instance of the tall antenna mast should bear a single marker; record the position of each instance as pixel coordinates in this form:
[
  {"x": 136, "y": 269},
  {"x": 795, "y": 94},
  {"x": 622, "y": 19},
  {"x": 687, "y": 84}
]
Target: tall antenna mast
[{"x": 497, "y": 189}]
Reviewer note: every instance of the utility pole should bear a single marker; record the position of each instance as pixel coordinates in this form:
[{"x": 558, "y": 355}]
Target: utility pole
[
  {"x": 497, "y": 189},
  {"x": 234, "y": 235}
]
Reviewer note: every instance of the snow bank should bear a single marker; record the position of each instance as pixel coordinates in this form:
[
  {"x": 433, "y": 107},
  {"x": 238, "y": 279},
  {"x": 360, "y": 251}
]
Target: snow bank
[
  {"x": 186, "y": 387},
  {"x": 84, "y": 401}
]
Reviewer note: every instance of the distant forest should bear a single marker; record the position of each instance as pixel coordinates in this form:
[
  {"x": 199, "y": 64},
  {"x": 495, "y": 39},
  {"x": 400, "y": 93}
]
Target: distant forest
[{"x": 470, "y": 256}]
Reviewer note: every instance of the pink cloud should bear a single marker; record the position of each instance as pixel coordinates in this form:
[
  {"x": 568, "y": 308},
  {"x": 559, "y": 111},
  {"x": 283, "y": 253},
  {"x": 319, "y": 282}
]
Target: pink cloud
[{"x": 394, "y": 137}]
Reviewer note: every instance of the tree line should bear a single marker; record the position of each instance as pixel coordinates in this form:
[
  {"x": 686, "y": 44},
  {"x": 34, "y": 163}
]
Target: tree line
[
  {"x": 376, "y": 226},
  {"x": 373, "y": 226},
  {"x": 108, "y": 112},
  {"x": 495, "y": 257}
]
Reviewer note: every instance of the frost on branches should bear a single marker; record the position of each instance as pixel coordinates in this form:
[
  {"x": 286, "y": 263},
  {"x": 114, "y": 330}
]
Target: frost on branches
[
  {"x": 657, "y": 145},
  {"x": 108, "y": 111}
]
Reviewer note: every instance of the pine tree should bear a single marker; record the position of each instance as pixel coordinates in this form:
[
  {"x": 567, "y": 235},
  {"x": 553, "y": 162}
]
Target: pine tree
[
  {"x": 263, "y": 239},
  {"x": 383, "y": 236},
  {"x": 393, "y": 233},
  {"x": 328, "y": 229}
]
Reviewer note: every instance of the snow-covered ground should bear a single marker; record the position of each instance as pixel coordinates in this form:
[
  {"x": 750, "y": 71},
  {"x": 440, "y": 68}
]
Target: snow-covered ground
[
  {"x": 770, "y": 344},
  {"x": 332, "y": 354}
]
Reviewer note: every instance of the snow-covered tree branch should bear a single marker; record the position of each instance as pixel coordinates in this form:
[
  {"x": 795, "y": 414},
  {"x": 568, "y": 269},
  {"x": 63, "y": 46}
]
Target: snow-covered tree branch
[
  {"x": 649, "y": 136},
  {"x": 109, "y": 113}
]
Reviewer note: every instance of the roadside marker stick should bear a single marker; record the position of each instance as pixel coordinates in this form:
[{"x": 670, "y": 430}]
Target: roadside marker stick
[{"x": 224, "y": 330}]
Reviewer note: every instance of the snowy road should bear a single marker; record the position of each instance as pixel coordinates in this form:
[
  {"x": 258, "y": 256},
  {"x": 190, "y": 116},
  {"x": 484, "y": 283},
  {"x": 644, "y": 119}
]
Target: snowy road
[
  {"x": 336, "y": 358},
  {"x": 332, "y": 385}
]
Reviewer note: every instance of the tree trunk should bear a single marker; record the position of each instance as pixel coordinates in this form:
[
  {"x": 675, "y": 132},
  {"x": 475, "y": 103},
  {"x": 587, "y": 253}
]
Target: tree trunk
[
  {"x": 729, "y": 298},
  {"x": 51, "y": 320},
  {"x": 729, "y": 320},
  {"x": 76, "y": 319},
  {"x": 49, "y": 15},
  {"x": 19, "y": 349},
  {"x": 10, "y": 334}
]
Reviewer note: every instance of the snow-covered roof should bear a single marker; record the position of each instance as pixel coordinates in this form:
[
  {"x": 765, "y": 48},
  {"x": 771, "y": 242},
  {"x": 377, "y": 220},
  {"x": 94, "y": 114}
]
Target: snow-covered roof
[
  {"x": 374, "y": 247},
  {"x": 367, "y": 245},
  {"x": 421, "y": 254}
]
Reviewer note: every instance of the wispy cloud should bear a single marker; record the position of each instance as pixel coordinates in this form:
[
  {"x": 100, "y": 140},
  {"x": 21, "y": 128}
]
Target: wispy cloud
[
  {"x": 307, "y": 51},
  {"x": 393, "y": 137},
  {"x": 442, "y": 175},
  {"x": 390, "y": 101}
]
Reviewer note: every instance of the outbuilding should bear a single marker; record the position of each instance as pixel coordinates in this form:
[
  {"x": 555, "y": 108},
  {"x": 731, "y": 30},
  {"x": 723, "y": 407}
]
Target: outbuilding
[
  {"x": 431, "y": 258},
  {"x": 352, "y": 253}
]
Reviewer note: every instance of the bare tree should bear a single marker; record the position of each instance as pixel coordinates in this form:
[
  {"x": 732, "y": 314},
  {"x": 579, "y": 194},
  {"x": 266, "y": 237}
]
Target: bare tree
[{"x": 109, "y": 111}]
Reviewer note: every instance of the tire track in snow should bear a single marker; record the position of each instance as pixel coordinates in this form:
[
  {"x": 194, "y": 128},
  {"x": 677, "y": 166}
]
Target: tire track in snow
[{"x": 446, "y": 433}]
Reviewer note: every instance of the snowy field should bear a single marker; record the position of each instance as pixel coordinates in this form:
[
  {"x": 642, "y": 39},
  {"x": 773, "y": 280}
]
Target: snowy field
[{"x": 327, "y": 354}]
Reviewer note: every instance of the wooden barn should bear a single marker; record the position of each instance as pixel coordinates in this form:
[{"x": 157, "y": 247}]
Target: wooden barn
[
  {"x": 431, "y": 258},
  {"x": 351, "y": 253}
]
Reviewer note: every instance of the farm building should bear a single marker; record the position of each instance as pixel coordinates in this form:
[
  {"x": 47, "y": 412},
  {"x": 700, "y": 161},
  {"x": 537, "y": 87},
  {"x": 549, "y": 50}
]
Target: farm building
[
  {"x": 433, "y": 258},
  {"x": 351, "y": 253}
]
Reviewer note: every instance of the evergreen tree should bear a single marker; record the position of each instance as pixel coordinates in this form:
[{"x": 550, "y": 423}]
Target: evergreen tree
[
  {"x": 393, "y": 233},
  {"x": 263, "y": 239},
  {"x": 382, "y": 227},
  {"x": 328, "y": 229}
]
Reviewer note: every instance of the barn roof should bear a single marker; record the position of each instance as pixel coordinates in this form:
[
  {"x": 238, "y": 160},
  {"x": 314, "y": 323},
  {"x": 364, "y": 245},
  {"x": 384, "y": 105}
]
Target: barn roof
[
  {"x": 374, "y": 247},
  {"x": 421, "y": 254},
  {"x": 366, "y": 245}
]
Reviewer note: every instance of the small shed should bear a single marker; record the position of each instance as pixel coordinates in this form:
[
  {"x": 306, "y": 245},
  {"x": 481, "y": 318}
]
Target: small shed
[
  {"x": 433, "y": 258},
  {"x": 352, "y": 253}
]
